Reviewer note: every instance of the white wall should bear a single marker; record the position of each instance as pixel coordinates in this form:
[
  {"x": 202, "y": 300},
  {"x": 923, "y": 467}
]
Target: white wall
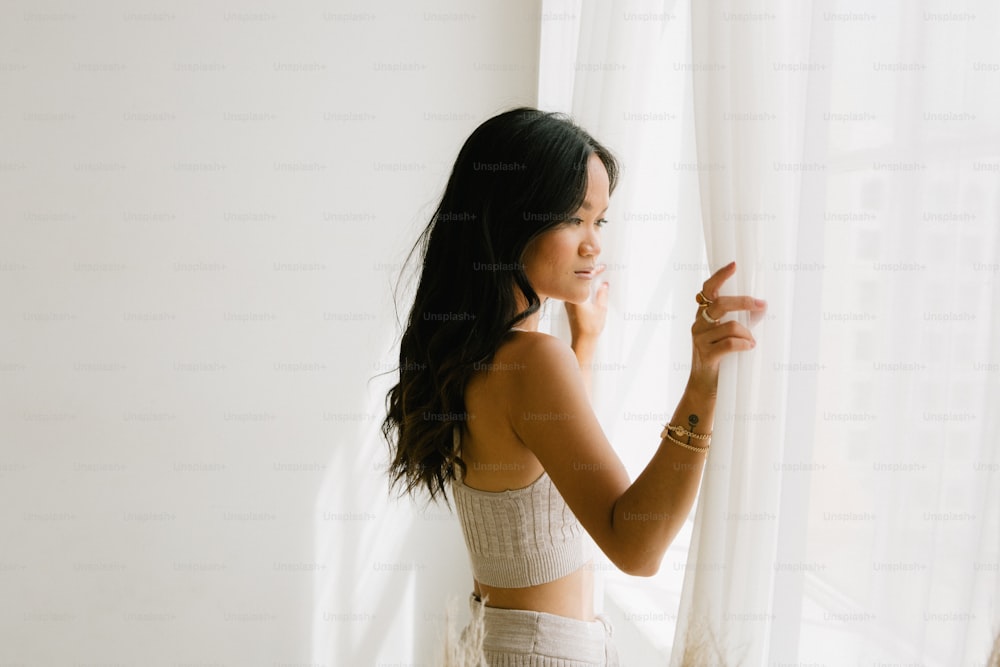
[{"x": 201, "y": 206}]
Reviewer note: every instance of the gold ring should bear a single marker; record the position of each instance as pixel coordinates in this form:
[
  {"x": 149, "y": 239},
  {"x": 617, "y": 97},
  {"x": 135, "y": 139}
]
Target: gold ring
[
  {"x": 705, "y": 316},
  {"x": 702, "y": 299}
]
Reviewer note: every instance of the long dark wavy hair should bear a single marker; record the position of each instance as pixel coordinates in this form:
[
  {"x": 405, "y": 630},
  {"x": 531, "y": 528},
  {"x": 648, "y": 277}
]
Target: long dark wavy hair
[{"x": 519, "y": 174}]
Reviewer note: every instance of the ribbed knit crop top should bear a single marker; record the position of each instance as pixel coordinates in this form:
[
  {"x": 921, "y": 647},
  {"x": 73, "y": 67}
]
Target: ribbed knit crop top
[{"x": 519, "y": 537}]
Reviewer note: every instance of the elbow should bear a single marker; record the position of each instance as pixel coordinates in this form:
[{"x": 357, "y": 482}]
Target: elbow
[
  {"x": 638, "y": 572},
  {"x": 640, "y": 565},
  {"x": 644, "y": 570}
]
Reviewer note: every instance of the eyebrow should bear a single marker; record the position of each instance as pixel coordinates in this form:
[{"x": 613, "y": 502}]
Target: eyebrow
[{"x": 587, "y": 205}]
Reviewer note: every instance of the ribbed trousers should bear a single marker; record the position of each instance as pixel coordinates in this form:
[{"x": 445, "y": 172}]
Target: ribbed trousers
[{"x": 521, "y": 638}]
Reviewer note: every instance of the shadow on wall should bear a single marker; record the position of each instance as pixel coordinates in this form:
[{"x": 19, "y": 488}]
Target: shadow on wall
[{"x": 392, "y": 565}]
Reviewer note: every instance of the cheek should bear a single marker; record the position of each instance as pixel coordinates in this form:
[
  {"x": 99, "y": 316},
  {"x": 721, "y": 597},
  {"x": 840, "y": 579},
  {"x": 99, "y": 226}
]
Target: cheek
[
  {"x": 556, "y": 251},
  {"x": 550, "y": 255}
]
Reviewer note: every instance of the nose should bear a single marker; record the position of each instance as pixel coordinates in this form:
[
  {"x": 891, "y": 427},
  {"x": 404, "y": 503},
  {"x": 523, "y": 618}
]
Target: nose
[{"x": 591, "y": 245}]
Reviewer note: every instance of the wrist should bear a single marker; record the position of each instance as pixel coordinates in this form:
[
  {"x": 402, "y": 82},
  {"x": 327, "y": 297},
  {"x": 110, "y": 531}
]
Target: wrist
[
  {"x": 584, "y": 346},
  {"x": 703, "y": 386}
]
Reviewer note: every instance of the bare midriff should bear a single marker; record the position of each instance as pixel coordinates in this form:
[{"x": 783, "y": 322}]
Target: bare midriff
[{"x": 572, "y": 595}]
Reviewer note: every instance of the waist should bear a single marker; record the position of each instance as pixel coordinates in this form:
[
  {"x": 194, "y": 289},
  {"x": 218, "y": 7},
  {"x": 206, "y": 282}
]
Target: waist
[
  {"x": 570, "y": 596},
  {"x": 510, "y": 633}
]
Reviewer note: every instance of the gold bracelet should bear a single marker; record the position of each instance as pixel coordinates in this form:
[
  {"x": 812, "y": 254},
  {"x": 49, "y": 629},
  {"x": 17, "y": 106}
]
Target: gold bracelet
[
  {"x": 684, "y": 431},
  {"x": 674, "y": 440}
]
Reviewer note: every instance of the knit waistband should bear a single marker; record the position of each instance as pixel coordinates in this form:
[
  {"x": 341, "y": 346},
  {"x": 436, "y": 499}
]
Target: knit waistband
[{"x": 567, "y": 641}]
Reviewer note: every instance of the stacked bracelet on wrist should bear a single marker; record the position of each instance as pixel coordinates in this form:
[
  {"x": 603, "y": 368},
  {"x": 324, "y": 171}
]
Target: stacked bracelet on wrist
[{"x": 683, "y": 431}]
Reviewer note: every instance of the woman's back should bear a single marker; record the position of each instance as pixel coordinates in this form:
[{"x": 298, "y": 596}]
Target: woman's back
[
  {"x": 497, "y": 461},
  {"x": 496, "y": 458}
]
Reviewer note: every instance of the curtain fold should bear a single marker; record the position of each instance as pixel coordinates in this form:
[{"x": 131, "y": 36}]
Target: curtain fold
[
  {"x": 847, "y": 159},
  {"x": 752, "y": 135}
]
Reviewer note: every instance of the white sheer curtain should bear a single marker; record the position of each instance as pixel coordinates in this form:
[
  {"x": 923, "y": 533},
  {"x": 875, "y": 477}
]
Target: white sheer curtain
[{"x": 849, "y": 160}]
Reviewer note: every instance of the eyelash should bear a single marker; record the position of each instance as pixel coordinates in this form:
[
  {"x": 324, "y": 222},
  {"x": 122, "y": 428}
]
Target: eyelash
[{"x": 602, "y": 221}]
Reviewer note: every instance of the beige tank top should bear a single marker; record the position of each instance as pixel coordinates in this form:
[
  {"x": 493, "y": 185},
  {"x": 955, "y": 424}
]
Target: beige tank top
[{"x": 519, "y": 537}]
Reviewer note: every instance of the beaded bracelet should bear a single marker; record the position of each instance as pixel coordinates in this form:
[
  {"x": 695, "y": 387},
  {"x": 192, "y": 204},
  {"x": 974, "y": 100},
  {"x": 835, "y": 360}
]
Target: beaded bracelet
[
  {"x": 666, "y": 434},
  {"x": 683, "y": 431}
]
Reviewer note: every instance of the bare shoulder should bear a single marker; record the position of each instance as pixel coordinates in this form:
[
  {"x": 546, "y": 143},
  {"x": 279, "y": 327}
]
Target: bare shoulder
[
  {"x": 540, "y": 387},
  {"x": 533, "y": 355},
  {"x": 548, "y": 404}
]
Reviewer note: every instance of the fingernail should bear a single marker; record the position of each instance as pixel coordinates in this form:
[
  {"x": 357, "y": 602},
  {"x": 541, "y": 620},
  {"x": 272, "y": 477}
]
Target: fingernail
[{"x": 760, "y": 303}]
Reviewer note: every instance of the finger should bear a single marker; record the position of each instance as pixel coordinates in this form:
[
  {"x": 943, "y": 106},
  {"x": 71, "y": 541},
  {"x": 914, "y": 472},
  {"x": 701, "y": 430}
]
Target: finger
[
  {"x": 601, "y": 298},
  {"x": 714, "y": 283},
  {"x": 713, "y": 341},
  {"x": 733, "y": 344},
  {"x": 730, "y": 304},
  {"x": 706, "y": 334},
  {"x": 730, "y": 329}
]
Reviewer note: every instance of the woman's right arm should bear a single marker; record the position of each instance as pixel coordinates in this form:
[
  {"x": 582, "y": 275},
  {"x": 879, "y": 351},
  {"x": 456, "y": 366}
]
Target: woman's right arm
[{"x": 632, "y": 522}]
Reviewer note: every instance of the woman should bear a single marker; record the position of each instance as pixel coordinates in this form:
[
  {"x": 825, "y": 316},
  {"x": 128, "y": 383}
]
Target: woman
[{"x": 498, "y": 412}]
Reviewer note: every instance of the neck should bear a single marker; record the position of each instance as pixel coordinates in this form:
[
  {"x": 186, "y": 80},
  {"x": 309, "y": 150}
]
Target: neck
[{"x": 531, "y": 323}]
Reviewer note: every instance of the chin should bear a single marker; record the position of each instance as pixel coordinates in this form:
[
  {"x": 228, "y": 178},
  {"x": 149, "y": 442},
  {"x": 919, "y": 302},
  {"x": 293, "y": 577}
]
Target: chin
[
  {"x": 576, "y": 295},
  {"x": 576, "y": 298}
]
